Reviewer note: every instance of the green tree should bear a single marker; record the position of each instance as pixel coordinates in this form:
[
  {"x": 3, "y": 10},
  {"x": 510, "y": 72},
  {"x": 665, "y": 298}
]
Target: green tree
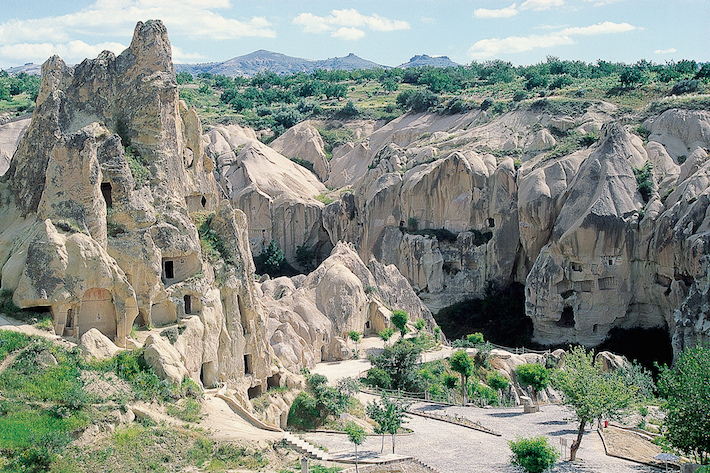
[
  {"x": 590, "y": 392},
  {"x": 354, "y": 335},
  {"x": 399, "y": 319},
  {"x": 497, "y": 381},
  {"x": 686, "y": 389},
  {"x": 534, "y": 375},
  {"x": 533, "y": 454},
  {"x": 386, "y": 334},
  {"x": 389, "y": 414},
  {"x": 271, "y": 259},
  {"x": 357, "y": 436},
  {"x": 463, "y": 365},
  {"x": 399, "y": 363},
  {"x": 420, "y": 324}
]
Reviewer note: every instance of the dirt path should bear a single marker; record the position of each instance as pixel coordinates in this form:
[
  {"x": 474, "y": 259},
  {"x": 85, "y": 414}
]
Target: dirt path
[{"x": 225, "y": 424}]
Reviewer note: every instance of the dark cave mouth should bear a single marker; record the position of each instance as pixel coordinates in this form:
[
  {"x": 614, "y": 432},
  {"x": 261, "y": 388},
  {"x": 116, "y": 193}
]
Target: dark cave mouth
[{"x": 500, "y": 317}]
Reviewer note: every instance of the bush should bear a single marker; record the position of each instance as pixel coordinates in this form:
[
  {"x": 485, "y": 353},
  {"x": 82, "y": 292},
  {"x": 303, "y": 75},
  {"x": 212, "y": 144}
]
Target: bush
[
  {"x": 533, "y": 454},
  {"x": 486, "y": 104},
  {"x": 685, "y": 87},
  {"x": 378, "y": 377},
  {"x": 303, "y": 412},
  {"x": 496, "y": 380},
  {"x": 271, "y": 260},
  {"x": 349, "y": 110},
  {"x": 645, "y": 181}
]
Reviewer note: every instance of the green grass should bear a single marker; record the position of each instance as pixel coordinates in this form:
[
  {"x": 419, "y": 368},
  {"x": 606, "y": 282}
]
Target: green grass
[
  {"x": 11, "y": 341},
  {"x": 188, "y": 410}
]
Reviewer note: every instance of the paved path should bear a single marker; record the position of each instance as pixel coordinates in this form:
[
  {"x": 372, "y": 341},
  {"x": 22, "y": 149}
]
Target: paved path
[{"x": 454, "y": 449}]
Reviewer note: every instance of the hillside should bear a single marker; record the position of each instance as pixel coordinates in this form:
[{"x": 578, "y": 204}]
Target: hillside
[
  {"x": 267, "y": 61},
  {"x": 422, "y": 60}
]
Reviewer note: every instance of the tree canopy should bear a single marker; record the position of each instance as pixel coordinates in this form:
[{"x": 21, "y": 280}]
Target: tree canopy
[
  {"x": 686, "y": 388},
  {"x": 590, "y": 392}
]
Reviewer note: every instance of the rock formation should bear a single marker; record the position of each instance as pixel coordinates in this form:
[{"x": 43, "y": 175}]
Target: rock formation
[
  {"x": 310, "y": 316},
  {"x": 105, "y": 194},
  {"x": 457, "y": 202}
]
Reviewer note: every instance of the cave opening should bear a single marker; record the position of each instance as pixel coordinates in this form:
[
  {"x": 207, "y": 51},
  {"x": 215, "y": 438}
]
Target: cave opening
[{"x": 566, "y": 318}]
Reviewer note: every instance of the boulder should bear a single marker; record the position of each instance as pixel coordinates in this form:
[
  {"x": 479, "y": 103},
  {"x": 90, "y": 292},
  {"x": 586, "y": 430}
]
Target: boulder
[
  {"x": 164, "y": 359},
  {"x": 96, "y": 345}
]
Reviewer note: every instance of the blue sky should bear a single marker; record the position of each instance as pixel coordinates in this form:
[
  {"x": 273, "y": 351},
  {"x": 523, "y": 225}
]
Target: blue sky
[{"x": 388, "y": 32}]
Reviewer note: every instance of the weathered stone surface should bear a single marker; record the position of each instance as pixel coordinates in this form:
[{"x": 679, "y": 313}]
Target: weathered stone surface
[
  {"x": 164, "y": 359},
  {"x": 10, "y": 134},
  {"x": 308, "y": 322},
  {"x": 304, "y": 142},
  {"x": 95, "y": 344}
]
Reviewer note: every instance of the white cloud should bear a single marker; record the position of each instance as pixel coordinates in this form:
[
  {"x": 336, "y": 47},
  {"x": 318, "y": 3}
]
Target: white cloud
[
  {"x": 488, "y": 48},
  {"x": 346, "y": 24},
  {"x": 541, "y": 4},
  {"x": 599, "y": 3},
  {"x": 188, "y": 18},
  {"x": 350, "y": 34},
  {"x": 665, "y": 51},
  {"x": 39, "y": 52},
  {"x": 600, "y": 28},
  {"x": 506, "y": 12}
]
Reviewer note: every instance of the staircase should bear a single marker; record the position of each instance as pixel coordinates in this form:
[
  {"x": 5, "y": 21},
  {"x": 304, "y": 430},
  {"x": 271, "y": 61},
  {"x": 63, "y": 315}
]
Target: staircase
[{"x": 305, "y": 447}]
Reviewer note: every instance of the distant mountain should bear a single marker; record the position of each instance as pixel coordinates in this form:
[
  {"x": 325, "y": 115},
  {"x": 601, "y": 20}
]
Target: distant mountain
[
  {"x": 348, "y": 63},
  {"x": 29, "y": 68},
  {"x": 424, "y": 60},
  {"x": 262, "y": 60}
]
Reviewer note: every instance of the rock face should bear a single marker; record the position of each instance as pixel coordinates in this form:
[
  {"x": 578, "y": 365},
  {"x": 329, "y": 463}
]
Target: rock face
[
  {"x": 277, "y": 195},
  {"x": 303, "y": 141},
  {"x": 309, "y": 317},
  {"x": 441, "y": 198},
  {"x": 104, "y": 196}
]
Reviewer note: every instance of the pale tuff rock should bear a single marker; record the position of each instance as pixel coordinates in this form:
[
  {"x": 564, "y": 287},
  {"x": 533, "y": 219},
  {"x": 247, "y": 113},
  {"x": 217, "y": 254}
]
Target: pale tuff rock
[
  {"x": 579, "y": 285},
  {"x": 309, "y": 320},
  {"x": 105, "y": 235},
  {"x": 164, "y": 359},
  {"x": 277, "y": 195},
  {"x": 304, "y": 142},
  {"x": 96, "y": 345},
  {"x": 10, "y": 134}
]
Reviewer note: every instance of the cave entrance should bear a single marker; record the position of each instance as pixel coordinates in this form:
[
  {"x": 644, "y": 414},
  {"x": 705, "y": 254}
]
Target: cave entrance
[
  {"x": 567, "y": 318},
  {"x": 273, "y": 381},
  {"x": 254, "y": 392},
  {"x": 106, "y": 192},
  {"x": 188, "y": 304},
  {"x": 248, "y": 368},
  {"x": 169, "y": 269}
]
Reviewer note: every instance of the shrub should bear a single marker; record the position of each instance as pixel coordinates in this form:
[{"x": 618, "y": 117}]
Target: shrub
[
  {"x": 496, "y": 380},
  {"x": 378, "y": 377},
  {"x": 645, "y": 181},
  {"x": 303, "y": 163},
  {"x": 486, "y": 104},
  {"x": 685, "y": 87},
  {"x": 303, "y": 412},
  {"x": 305, "y": 258},
  {"x": 519, "y": 95},
  {"x": 271, "y": 260},
  {"x": 533, "y": 454},
  {"x": 349, "y": 110},
  {"x": 482, "y": 395}
]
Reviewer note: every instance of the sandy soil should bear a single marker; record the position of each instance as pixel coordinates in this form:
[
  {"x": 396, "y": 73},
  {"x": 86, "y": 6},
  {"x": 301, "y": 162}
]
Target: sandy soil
[{"x": 630, "y": 445}]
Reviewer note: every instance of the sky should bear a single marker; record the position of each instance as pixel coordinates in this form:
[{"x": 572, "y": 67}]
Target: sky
[{"x": 388, "y": 32}]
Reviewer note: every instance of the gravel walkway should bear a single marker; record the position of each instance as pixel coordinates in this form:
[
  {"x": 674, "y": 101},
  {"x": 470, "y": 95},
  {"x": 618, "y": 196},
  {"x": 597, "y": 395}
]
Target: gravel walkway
[{"x": 453, "y": 449}]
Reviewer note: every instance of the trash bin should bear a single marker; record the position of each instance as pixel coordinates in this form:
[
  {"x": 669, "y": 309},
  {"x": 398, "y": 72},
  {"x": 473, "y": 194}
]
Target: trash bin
[{"x": 606, "y": 424}]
